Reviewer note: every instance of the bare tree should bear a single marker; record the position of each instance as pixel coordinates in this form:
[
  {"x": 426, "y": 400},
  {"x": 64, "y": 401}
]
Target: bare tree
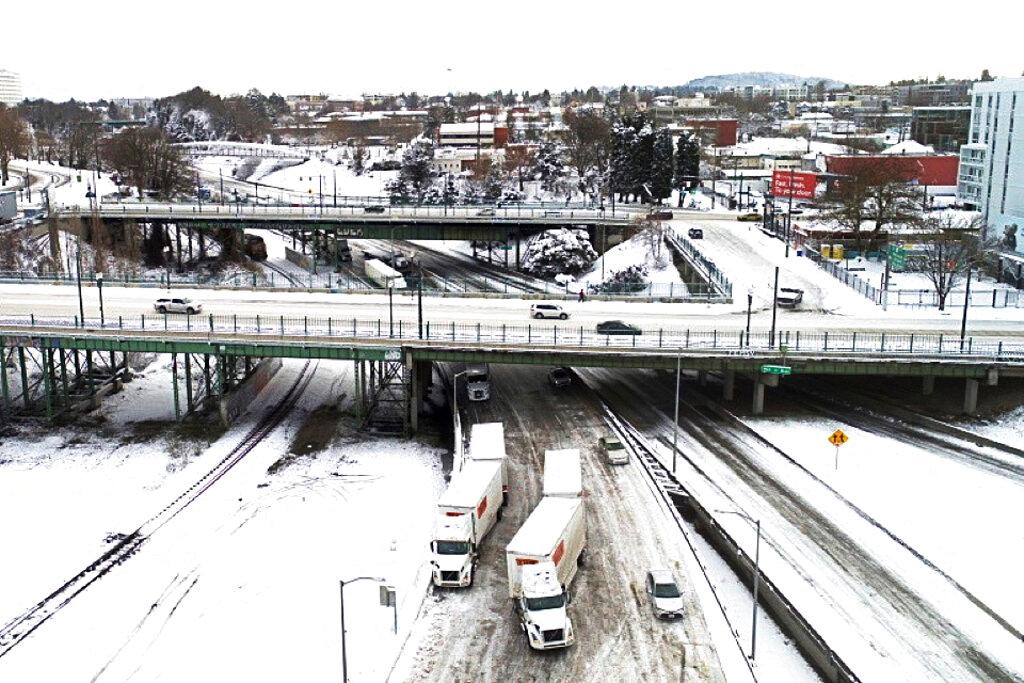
[
  {"x": 588, "y": 143},
  {"x": 878, "y": 189},
  {"x": 148, "y": 161},
  {"x": 954, "y": 245},
  {"x": 14, "y": 140}
]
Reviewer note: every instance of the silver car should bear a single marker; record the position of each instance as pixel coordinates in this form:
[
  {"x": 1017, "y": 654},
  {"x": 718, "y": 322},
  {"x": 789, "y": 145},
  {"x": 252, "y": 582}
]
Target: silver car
[
  {"x": 663, "y": 592},
  {"x": 178, "y": 305}
]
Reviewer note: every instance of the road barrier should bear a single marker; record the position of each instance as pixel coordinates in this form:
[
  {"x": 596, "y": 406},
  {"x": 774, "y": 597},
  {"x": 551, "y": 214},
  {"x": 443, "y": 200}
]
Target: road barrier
[
  {"x": 565, "y": 335},
  {"x": 342, "y": 284}
]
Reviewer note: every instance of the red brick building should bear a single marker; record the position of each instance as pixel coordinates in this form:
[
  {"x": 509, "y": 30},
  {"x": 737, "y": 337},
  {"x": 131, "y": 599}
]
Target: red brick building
[
  {"x": 933, "y": 170},
  {"x": 719, "y": 132}
]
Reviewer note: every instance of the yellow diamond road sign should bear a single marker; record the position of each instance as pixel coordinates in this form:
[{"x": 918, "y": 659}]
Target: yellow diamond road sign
[{"x": 838, "y": 438}]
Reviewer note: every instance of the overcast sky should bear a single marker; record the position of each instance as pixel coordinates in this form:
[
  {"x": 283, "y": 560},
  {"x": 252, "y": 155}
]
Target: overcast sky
[{"x": 88, "y": 50}]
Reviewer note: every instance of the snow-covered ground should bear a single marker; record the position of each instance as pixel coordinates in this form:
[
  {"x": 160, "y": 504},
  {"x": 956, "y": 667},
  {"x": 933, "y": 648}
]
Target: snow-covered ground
[
  {"x": 654, "y": 255},
  {"x": 950, "y": 510},
  {"x": 245, "y": 581}
]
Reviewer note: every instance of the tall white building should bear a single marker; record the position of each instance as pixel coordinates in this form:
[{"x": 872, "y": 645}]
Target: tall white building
[
  {"x": 10, "y": 88},
  {"x": 991, "y": 178}
]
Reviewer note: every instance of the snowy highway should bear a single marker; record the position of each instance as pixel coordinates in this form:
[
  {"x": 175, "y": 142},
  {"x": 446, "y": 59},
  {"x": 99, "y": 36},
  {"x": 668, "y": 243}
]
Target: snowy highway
[
  {"x": 472, "y": 634},
  {"x": 889, "y": 615}
]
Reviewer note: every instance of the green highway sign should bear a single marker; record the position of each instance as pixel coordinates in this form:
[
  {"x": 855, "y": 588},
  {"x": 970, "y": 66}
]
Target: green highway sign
[{"x": 776, "y": 370}]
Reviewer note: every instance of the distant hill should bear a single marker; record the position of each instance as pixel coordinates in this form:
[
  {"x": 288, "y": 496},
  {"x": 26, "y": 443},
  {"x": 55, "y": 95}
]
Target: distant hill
[{"x": 760, "y": 78}]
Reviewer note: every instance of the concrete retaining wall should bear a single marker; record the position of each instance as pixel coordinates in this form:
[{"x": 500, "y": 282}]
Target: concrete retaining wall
[
  {"x": 299, "y": 259},
  {"x": 234, "y": 404}
]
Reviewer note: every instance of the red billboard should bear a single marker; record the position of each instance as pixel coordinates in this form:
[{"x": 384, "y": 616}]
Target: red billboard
[{"x": 796, "y": 184}]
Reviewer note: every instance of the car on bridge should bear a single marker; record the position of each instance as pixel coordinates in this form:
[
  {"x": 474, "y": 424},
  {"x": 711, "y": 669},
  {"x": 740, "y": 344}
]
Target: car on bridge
[
  {"x": 749, "y": 217},
  {"x": 376, "y": 208},
  {"x": 618, "y": 327},
  {"x": 186, "y": 306}
]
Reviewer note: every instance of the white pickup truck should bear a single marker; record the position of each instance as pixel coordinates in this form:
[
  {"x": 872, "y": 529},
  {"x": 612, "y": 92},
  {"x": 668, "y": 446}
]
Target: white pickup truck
[
  {"x": 467, "y": 510},
  {"x": 541, "y": 561}
]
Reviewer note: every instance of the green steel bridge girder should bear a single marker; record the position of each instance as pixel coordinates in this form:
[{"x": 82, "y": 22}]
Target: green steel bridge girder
[{"x": 413, "y": 351}]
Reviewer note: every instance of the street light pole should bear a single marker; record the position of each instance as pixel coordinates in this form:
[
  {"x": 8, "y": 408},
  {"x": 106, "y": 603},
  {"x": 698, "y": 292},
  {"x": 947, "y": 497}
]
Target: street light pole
[
  {"x": 757, "y": 573},
  {"x": 675, "y": 420},
  {"x": 750, "y": 303},
  {"x": 344, "y": 656},
  {"x": 78, "y": 278},
  {"x": 391, "y": 309},
  {"x": 99, "y": 286},
  {"x": 967, "y": 302},
  {"x": 775, "y": 308}
]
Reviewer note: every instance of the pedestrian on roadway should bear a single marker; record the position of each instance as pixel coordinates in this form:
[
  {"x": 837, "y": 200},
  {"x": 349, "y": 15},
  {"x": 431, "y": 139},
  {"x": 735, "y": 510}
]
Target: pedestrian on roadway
[{"x": 583, "y": 295}]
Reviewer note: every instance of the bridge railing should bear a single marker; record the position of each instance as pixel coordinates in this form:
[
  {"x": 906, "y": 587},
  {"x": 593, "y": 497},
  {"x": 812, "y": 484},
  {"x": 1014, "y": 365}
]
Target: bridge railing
[
  {"x": 312, "y": 329},
  {"x": 473, "y": 213},
  {"x": 697, "y": 292}
]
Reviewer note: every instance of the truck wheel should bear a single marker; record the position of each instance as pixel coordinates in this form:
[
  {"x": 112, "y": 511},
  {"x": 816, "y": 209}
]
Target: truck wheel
[
  {"x": 581, "y": 560},
  {"x": 472, "y": 576},
  {"x": 501, "y": 511}
]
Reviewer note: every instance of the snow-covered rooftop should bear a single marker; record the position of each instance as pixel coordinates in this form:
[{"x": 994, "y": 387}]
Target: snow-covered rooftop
[{"x": 909, "y": 147}]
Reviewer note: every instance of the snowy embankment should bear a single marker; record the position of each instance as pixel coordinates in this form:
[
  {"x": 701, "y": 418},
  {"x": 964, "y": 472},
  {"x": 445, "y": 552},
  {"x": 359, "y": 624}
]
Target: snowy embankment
[
  {"x": 245, "y": 580},
  {"x": 654, "y": 256}
]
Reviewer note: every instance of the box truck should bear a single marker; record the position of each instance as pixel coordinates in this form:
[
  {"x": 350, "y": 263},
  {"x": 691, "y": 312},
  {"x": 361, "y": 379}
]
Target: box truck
[
  {"x": 487, "y": 442},
  {"x": 467, "y": 511},
  {"x": 383, "y": 275},
  {"x": 541, "y": 561},
  {"x": 563, "y": 474}
]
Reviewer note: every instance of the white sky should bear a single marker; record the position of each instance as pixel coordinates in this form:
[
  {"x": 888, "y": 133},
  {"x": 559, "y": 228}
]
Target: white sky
[{"x": 349, "y": 47}]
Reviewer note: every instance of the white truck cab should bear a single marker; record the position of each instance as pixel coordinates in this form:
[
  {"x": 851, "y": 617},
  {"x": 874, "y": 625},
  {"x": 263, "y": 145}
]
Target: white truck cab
[
  {"x": 542, "y": 608},
  {"x": 467, "y": 511}
]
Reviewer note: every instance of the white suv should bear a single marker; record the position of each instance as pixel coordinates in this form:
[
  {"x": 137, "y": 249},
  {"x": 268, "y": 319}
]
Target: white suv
[
  {"x": 187, "y": 306},
  {"x": 548, "y": 311}
]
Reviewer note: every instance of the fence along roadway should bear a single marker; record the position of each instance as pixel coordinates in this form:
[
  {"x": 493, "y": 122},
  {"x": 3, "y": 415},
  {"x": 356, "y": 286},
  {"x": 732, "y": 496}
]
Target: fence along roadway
[{"x": 807, "y": 350}]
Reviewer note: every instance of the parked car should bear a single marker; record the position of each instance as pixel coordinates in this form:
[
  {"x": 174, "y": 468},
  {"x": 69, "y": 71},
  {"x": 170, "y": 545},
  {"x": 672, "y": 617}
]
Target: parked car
[
  {"x": 660, "y": 215},
  {"x": 752, "y": 217},
  {"x": 614, "y": 450},
  {"x": 552, "y": 214},
  {"x": 560, "y": 378},
  {"x": 789, "y": 297},
  {"x": 617, "y": 327},
  {"x": 187, "y": 306},
  {"x": 485, "y": 212},
  {"x": 376, "y": 208},
  {"x": 695, "y": 233},
  {"x": 663, "y": 592},
  {"x": 548, "y": 311}
]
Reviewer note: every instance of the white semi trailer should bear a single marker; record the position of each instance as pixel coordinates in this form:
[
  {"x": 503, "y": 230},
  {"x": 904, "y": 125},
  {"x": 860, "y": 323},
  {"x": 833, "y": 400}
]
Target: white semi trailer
[
  {"x": 541, "y": 560},
  {"x": 383, "y": 275},
  {"x": 487, "y": 442},
  {"x": 563, "y": 473},
  {"x": 467, "y": 510}
]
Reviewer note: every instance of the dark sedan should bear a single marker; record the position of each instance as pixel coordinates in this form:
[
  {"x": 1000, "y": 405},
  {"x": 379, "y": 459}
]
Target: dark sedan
[{"x": 617, "y": 327}]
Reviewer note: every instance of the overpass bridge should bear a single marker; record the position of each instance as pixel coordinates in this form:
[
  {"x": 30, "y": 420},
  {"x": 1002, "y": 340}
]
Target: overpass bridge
[
  {"x": 363, "y": 222},
  {"x": 224, "y": 148},
  {"x": 394, "y": 356}
]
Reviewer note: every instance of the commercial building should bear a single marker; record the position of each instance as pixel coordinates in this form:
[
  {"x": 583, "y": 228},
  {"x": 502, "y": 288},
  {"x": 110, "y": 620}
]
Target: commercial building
[
  {"x": 992, "y": 162},
  {"x": 934, "y": 94},
  {"x": 10, "y": 88},
  {"x": 472, "y": 134},
  {"x": 944, "y": 128},
  {"x": 716, "y": 132}
]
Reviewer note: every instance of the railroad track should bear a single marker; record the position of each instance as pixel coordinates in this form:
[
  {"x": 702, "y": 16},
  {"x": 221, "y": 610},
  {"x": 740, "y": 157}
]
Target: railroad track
[{"x": 22, "y": 626}]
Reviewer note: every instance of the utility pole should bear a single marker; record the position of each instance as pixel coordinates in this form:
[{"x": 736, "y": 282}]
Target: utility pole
[
  {"x": 789, "y": 216},
  {"x": 775, "y": 308},
  {"x": 675, "y": 420},
  {"x": 967, "y": 302}
]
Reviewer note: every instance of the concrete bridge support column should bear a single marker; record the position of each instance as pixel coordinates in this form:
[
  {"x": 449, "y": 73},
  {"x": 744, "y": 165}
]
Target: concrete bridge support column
[
  {"x": 758, "y": 407},
  {"x": 970, "y": 396},
  {"x": 728, "y": 385},
  {"x": 928, "y": 385}
]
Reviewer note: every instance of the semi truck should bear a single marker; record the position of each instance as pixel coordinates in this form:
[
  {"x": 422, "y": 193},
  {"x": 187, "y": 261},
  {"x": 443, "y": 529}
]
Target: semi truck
[
  {"x": 467, "y": 510},
  {"x": 487, "y": 443},
  {"x": 541, "y": 561},
  {"x": 477, "y": 379},
  {"x": 384, "y": 275},
  {"x": 563, "y": 474}
]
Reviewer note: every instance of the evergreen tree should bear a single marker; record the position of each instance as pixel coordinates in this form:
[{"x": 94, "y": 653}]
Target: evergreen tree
[
  {"x": 661, "y": 165},
  {"x": 549, "y": 167},
  {"x": 986, "y": 76},
  {"x": 687, "y": 163}
]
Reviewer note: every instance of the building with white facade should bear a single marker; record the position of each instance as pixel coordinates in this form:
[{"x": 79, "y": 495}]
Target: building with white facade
[
  {"x": 466, "y": 135},
  {"x": 10, "y": 88},
  {"x": 991, "y": 176}
]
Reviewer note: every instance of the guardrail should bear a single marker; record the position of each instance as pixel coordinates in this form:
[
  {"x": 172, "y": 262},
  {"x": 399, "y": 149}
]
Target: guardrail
[
  {"x": 702, "y": 264},
  {"x": 565, "y": 335},
  {"x": 343, "y": 284}
]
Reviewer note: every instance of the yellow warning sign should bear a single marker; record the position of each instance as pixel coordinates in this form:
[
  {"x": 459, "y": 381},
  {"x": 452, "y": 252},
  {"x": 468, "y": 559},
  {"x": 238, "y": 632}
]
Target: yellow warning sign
[{"x": 838, "y": 438}]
